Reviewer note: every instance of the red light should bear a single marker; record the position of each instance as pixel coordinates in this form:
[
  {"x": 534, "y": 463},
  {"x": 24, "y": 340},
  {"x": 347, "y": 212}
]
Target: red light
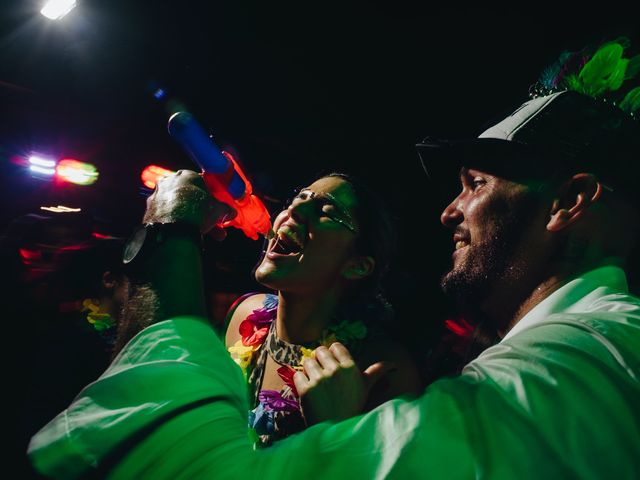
[
  {"x": 29, "y": 256},
  {"x": 76, "y": 172},
  {"x": 102, "y": 236},
  {"x": 460, "y": 327},
  {"x": 153, "y": 174}
]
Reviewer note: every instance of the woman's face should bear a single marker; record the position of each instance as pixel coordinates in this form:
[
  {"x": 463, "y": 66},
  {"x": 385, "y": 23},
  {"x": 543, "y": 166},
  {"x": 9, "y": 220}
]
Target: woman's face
[{"x": 314, "y": 240}]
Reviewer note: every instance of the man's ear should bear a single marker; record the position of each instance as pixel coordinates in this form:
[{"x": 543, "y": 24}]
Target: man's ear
[
  {"x": 576, "y": 196},
  {"x": 359, "y": 267},
  {"x": 109, "y": 280}
]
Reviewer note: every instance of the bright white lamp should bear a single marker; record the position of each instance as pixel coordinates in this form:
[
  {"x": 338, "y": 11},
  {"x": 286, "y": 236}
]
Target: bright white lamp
[{"x": 56, "y": 9}]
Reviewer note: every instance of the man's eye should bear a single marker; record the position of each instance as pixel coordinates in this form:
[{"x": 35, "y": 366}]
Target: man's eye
[{"x": 478, "y": 182}]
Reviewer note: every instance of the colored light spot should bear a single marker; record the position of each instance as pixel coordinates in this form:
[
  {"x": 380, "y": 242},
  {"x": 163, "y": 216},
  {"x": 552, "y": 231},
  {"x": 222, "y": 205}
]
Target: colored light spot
[
  {"x": 42, "y": 170},
  {"x": 76, "y": 172},
  {"x": 152, "y": 174},
  {"x": 61, "y": 209},
  {"x": 41, "y": 161}
]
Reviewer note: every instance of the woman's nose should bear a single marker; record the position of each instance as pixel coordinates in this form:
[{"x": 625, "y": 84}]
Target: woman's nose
[{"x": 300, "y": 208}]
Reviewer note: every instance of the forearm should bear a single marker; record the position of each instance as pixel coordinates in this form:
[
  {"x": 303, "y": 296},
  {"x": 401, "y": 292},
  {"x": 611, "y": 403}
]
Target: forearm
[
  {"x": 175, "y": 274},
  {"x": 168, "y": 283}
]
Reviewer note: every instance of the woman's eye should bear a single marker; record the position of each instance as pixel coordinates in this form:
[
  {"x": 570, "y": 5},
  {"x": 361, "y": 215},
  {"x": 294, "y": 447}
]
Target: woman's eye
[
  {"x": 326, "y": 209},
  {"x": 304, "y": 195}
]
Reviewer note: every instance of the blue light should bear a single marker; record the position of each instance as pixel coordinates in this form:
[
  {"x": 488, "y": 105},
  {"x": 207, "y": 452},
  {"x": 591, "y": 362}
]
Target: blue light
[{"x": 159, "y": 93}]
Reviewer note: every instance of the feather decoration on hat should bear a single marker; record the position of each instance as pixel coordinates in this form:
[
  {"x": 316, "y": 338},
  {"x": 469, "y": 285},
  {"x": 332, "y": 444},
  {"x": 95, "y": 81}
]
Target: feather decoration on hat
[
  {"x": 631, "y": 102},
  {"x": 597, "y": 72},
  {"x": 553, "y": 76}
]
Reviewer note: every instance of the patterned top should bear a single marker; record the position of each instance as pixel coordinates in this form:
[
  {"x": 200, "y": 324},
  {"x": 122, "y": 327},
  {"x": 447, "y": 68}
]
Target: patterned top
[{"x": 277, "y": 414}]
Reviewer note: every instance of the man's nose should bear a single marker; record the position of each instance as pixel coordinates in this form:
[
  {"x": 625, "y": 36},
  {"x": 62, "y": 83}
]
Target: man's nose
[{"x": 452, "y": 215}]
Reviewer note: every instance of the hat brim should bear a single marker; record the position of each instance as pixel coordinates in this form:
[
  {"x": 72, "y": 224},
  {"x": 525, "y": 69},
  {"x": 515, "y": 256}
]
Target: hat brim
[{"x": 441, "y": 158}]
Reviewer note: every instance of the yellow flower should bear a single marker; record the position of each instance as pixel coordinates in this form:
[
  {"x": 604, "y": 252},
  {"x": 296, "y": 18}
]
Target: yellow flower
[
  {"x": 241, "y": 354},
  {"x": 307, "y": 353},
  {"x": 100, "y": 320},
  {"x": 91, "y": 305}
]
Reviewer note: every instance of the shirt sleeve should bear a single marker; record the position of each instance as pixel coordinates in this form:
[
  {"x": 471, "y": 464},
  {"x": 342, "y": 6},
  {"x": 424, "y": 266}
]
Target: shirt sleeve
[{"x": 552, "y": 402}]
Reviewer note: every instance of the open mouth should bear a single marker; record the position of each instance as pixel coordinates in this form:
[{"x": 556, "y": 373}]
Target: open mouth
[
  {"x": 461, "y": 244},
  {"x": 288, "y": 242}
]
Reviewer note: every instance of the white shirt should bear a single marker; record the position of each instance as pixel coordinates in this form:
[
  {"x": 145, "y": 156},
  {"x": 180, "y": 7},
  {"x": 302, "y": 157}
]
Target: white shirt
[{"x": 559, "y": 397}]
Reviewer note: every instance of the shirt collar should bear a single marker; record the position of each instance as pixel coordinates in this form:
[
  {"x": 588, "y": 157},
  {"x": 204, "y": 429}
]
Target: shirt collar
[{"x": 575, "y": 296}]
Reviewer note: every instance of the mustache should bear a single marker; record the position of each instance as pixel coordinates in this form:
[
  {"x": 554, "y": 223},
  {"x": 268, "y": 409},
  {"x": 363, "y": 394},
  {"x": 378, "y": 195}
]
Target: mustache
[{"x": 462, "y": 232}]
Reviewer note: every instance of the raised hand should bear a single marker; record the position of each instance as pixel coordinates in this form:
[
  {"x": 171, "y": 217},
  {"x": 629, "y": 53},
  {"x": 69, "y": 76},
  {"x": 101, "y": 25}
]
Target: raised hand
[
  {"x": 183, "y": 197},
  {"x": 332, "y": 387}
]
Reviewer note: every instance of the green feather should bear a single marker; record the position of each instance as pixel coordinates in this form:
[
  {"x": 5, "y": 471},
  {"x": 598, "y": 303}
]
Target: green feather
[
  {"x": 572, "y": 82},
  {"x": 624, "y": 41},
  {"x": 596, "y": 73},
  {"x": 617, "y": 76},
  {"x": 631, "y": 101},
  {"x": 633, "y": 68}
]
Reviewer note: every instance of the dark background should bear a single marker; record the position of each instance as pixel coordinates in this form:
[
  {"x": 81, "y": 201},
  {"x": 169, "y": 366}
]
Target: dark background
[{"x": 294, "y": 88}]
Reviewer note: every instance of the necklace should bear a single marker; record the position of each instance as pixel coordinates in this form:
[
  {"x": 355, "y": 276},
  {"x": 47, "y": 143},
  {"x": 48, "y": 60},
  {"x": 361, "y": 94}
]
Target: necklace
[{"x": 283, "y": 352}]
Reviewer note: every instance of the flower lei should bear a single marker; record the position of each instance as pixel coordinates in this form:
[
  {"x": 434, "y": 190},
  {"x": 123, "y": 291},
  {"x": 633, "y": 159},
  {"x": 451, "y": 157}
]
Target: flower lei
[
  {"x": 99, "y": 320},
  {"x": 253, "y": 332}
]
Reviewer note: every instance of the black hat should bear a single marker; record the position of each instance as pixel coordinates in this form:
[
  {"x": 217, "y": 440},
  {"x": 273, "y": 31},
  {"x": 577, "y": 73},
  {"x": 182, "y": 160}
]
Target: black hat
[{"x": 563, "y": 133}]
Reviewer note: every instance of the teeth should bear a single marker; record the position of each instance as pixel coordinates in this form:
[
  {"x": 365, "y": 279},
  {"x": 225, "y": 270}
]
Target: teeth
[
  {"x": 284, "y": 232},
  {"x": 460, "y": 244}
]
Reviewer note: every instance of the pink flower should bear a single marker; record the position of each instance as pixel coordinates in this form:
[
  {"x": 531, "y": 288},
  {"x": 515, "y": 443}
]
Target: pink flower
[
  {"x": 276, "y": 402},
  {"x": 262, "y": 317}
]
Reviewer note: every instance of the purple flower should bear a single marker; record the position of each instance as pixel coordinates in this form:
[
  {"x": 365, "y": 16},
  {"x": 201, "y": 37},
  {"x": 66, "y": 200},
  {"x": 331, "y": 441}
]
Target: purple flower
[
  {"x": 261, "y": 317},
  {"x": 274, "y": 400}
]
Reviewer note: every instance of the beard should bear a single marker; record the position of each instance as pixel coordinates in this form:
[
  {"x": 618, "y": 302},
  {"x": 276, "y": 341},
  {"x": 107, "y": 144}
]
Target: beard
[
  {"x": 495, "y": 260},
  {"x": 141, "y": 308}
]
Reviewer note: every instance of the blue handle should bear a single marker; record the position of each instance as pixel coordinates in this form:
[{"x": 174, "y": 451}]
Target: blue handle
[{"x": 185, "y": 129}]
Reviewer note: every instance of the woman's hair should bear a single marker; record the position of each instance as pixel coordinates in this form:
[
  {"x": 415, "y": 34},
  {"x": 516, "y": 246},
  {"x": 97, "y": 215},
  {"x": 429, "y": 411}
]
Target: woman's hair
[{"x": 376, "y": 237}]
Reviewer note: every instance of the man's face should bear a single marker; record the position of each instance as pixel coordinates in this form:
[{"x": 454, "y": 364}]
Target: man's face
[{"x": 499, "y": 236}]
